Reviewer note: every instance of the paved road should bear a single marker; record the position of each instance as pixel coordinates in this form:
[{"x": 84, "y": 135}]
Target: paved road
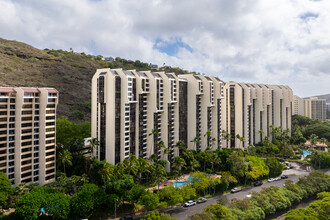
[{"x": 182, "y": 213}]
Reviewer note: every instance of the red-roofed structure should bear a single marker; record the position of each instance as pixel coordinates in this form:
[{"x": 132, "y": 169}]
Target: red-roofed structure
[
  {"x": 51, "y": 90},
  {"x": 7, "y": 89},
  {"x": 31, "y": 90}
]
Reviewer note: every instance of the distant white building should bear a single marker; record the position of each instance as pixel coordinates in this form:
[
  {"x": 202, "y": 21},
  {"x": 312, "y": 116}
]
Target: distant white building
[{"x": 312, "y": 107}]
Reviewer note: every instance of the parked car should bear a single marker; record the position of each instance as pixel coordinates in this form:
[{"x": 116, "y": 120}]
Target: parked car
[
  {"x": 236, "y": 190},
  {"x": 258, "y": 183},
  {"x": 277, "y": 178},
  {"x": 284, "y": 176},
  {"x": 190, "y": 203},
  {"x": 248, "y": 195},
  {"x": 201, "y": 200},
  {"x": 271, "y": 180}
]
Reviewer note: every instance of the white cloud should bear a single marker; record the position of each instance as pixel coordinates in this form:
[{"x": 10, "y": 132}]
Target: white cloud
[{"x": 275, "y": 41}]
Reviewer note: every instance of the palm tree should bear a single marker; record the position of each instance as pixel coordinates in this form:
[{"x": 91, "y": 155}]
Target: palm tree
[
  {"x": 154, "y": 132},
  {"x": 161, "y": 144},
  {"x": 323, "y": 140},
  {"x": 160, "y": 173},
  {"x": 241, "y": 139},
  {"x": 313, "y": 139},
  {"x": 178, "y": 163},
  {"x": 106, "y": 171},
  {"x": 166, "y": 151},
  {"x": 214, "y": 160},
  {"x": 130, "y": 164},
  {"x": 142, "y": 166},
  {"x": 226, "y": 136},
  {"x": 206, "y": 156},
  {"x": 188, "y": 155},
  {"x": 119, "y": 169},
  {"x": 194, "y": 165},
  {"x": 180, "y": 144},
  {"x": 65, "y": 157},
  {"x": 153, "y": 158},
  {"x": 196, "y": 142},
  {"x": 208, "y": 134}
]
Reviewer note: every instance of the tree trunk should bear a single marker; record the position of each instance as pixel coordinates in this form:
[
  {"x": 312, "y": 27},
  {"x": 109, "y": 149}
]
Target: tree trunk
[{"x": 158, "y": 182}]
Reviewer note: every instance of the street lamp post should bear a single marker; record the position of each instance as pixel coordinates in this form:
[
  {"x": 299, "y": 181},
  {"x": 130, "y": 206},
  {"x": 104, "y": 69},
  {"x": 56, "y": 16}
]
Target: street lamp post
[{"x": 115, "y": 209}]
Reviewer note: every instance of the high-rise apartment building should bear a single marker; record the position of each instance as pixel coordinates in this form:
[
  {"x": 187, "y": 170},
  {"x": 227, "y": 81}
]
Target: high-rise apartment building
[
  {"x": 298, "y": 106},
  {"x": 312, "y": 107},
  {"x": 204, "y": 95},
  {"x": 143, "y": 113},
  {"x": 250, "y": 109},
  {"x": 27, "y": 134},
  {"x": 315, "y": 108}
]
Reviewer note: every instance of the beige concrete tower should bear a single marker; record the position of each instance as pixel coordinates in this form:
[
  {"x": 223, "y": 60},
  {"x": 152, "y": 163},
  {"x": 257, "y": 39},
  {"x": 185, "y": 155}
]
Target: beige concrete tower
[
  {"x": 27, "y": 134},
  {"x": 250, "y": 109},
  {"x": 315, "y": 108},
  {"x": 135, "y": 113}
]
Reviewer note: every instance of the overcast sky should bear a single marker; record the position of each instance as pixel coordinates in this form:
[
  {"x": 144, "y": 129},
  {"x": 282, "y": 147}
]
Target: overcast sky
[{"x": 263, "y": 41}]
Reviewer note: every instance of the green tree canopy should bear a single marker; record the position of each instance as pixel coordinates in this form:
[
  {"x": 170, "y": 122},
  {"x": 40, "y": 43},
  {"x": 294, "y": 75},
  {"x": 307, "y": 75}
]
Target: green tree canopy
[
  {"x": 87, "y": 200},
  {"x": 5, "y": 189},
  {"x": 43, "y": 199},
  {"x": 275, "y": 167}
]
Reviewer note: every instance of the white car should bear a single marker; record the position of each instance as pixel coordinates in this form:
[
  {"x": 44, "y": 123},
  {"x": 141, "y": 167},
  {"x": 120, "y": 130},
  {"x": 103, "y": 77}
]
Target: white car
[
  {"x": 190, "y": 203},
  {"x": 271, "y": 180},
  {"x": 235, "y": 190},
  {"x": 277, "y": 178}
]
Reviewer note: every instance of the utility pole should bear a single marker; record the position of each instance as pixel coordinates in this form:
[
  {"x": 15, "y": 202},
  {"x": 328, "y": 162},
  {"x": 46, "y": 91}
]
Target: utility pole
[{"x": 115, "y": 209}]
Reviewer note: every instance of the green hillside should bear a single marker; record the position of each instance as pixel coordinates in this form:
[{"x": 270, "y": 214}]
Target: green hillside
[{"x": 68, "y": 72}]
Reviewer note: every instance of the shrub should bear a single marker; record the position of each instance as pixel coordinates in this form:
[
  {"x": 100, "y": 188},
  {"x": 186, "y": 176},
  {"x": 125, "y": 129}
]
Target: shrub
[{"x": 150, "y": 201}]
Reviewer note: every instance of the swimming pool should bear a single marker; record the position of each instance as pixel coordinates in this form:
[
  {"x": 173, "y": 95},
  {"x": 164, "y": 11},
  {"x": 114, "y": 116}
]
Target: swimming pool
[
  {"x": 182, "y": 183},
  {"x": 306, "y": 153},
  {"x": 179, "y": 183}
]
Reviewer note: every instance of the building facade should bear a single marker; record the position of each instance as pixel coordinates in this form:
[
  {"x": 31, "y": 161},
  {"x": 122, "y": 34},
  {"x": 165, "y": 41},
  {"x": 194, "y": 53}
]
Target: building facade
[
  {"x": 298, "y": 106},
  {"x": 312, "y": 107},
  {"x": 146, "y": 113},
  {"x": 27, "y": 134},
  {"x": 249, "y": 110},
  {"x": 315, "y": 108}
]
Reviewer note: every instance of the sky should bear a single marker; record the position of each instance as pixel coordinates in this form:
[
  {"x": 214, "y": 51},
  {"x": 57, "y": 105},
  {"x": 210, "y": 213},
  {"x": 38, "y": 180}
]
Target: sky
[{"x": 256, "y": 41}]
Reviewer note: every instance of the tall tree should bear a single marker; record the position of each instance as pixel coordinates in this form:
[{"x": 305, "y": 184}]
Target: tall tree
[
  {"x": 130, "y": 165},
  {"x": 313, "y": 139},
  {"x": 65, "y": 158},
  {"x": 226, "y": 136},
  {"x": 5, "y": 188},
  {"x": 241, "y": 139},
  {"x": 159, "y": 172},
  {"x": 178, "y": 163},
  {"x": 196, "y": 142},
  {"x": 142, "y": 166},
  {"x": 239, "y": 166},
  {"x": 106, "y": 172}
]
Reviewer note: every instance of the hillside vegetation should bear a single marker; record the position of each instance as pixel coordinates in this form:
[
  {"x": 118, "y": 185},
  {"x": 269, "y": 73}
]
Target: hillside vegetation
[{"x": 68, "y": 72}]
